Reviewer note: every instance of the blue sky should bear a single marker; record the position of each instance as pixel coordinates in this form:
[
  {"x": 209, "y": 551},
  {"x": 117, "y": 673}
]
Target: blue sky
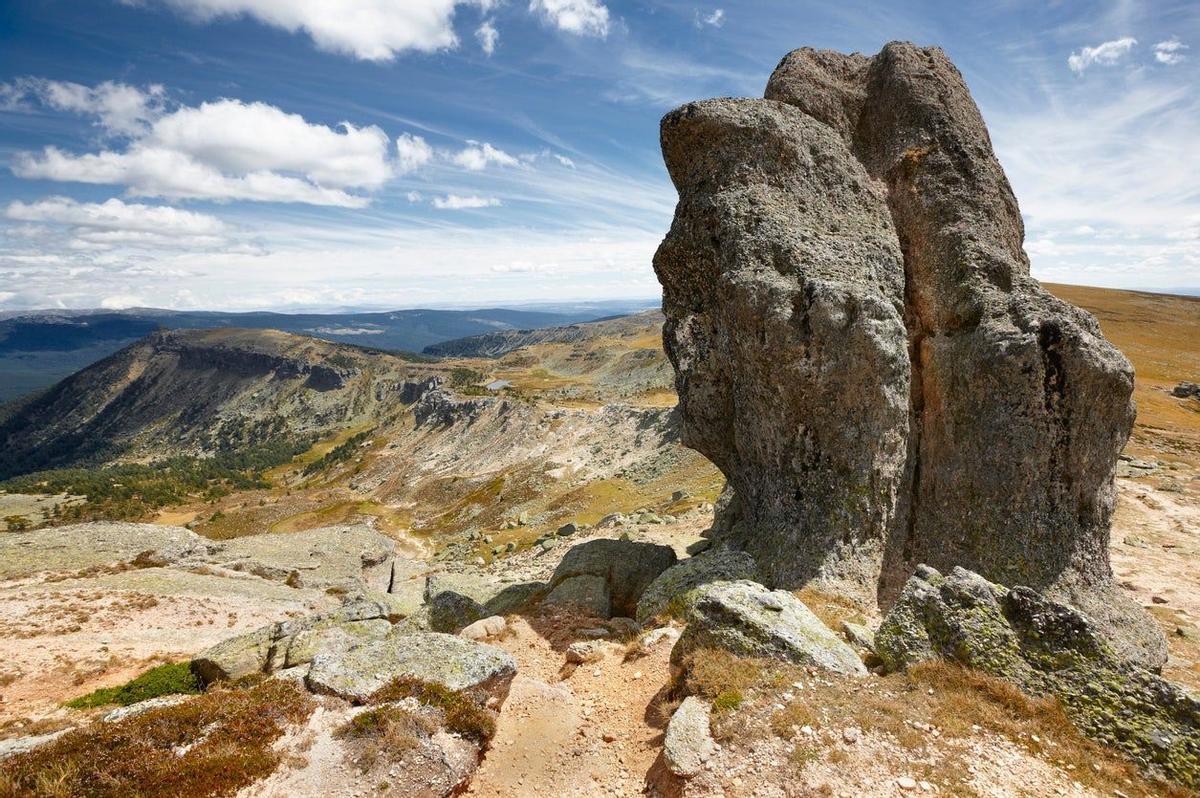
[{"x": 288, "y": 154}]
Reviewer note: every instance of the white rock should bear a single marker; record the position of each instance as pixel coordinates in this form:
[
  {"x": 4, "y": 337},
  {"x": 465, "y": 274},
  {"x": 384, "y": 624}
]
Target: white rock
[{"x": 689, "y": 743}]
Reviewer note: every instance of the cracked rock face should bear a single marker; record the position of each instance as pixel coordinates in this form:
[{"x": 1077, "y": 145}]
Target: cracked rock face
[{"x": 860, "y": 347}]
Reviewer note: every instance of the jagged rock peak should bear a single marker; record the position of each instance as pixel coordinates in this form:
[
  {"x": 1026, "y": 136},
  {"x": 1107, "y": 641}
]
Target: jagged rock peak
[{"x": 859, "y": 346}]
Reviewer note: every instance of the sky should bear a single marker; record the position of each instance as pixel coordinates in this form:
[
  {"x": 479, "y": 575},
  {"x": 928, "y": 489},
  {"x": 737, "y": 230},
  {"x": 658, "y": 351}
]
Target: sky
[{"x": 370, "y": 154}]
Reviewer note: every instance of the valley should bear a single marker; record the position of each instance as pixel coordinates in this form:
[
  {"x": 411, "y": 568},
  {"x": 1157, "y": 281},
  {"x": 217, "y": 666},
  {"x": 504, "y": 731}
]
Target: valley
[{"x": 576, "y": 439}]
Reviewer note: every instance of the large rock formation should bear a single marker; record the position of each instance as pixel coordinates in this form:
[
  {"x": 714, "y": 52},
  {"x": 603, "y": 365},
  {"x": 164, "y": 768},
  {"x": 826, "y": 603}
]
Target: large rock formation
[{"x": 860, "y": 347}]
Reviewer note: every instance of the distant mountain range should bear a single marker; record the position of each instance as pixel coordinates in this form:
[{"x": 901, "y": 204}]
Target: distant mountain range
[{"x": 39, "y": 348}]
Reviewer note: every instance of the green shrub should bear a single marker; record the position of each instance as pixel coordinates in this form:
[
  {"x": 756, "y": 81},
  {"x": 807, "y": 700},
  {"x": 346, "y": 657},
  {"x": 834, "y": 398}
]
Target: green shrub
[{"x": 173, "y": 679}]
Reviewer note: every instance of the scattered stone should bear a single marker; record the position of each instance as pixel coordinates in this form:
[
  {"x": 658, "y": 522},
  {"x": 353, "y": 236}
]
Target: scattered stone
[
  {"x": 688, "y": 742},
  {"x": 479, "y": 670},
  {"x": 1186, "y": 389},
  {"x": 622, "y": 627},
  {"x": 492, "y": 626},
  {"x": 133, "y": 710},
  {"x": 580, "y": 652},
  {"x": 672, "y": 588},
  {"x": 680, "y": 495},
  {"x": 906, "y": 783},
  {"x": 1046, "y": 648},
  {"x": 859, "y": 636},
  {"x": 850, "y": 735},
  {"x": 747, "y": 619},
  {"x": 566, "y": 530}
]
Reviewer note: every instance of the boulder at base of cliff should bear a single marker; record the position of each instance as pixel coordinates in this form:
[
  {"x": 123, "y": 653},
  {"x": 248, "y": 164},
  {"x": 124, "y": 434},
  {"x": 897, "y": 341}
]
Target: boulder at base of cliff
[
  {"x": 673, "y": 587},
  {"x": 625, "y": 568},
  {"x": 1046, "y": 648},
  {"x": 749, "y": 620}
]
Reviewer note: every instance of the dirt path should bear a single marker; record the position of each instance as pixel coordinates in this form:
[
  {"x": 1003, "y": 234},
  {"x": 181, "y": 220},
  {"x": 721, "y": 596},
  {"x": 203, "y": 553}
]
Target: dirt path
[{"x": 574, "y": 731}]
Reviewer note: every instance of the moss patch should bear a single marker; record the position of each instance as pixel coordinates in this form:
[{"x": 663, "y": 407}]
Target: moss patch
[{"x": 173, "y": 679}]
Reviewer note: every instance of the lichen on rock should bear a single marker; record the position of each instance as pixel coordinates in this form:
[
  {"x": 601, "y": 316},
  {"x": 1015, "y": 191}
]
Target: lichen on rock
[{"x": 1046, "y": 648}]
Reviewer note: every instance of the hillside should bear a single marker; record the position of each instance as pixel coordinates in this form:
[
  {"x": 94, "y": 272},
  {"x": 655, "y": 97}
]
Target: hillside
[
  {"x": 200, "y": 392},
  {"x": 37, "y": 348}
]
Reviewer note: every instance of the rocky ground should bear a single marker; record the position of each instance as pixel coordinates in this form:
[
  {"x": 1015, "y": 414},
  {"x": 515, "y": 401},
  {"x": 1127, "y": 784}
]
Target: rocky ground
[{"x": 496, "y": 489}]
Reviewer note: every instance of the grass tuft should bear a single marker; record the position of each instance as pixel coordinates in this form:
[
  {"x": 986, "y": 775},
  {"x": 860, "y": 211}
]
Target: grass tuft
[{"x": 463, "y": 716}]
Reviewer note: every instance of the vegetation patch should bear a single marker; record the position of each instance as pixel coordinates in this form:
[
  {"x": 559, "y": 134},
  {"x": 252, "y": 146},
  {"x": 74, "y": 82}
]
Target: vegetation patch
[
  {"x": 134, "y": 491},
  {"x": 173, "y": 679},
  {"x": 386, "y": 732},
  {"x": 212, "y": 745},
  {"x": 338, "y": 454},
  {"x": 463, "y": 716}
]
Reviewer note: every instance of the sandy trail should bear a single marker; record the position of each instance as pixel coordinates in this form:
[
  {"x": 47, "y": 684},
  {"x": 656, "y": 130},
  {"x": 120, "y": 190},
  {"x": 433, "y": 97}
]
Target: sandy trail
[{"x": 583, "y": 731}]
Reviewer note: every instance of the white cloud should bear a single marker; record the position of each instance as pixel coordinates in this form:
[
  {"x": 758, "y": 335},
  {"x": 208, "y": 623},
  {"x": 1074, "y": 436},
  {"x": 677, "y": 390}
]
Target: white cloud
[
  {"x": 715, "y": 20},
  {"x": 120, "y": 109},
  {"x": 121, "y": 302},
  {"x": 412, "y": 152},
  {"x": 580, "y": 17},
  {"x": 115, "y": 215},
  {"x": 487, "y": 36},
  {"x": 370, "y": 30},
  {"x": 477, "y": 156},
  {"x": 564, "y": 160},
  {"x": 453, "y": 202},
  {"x": 1168, "y": 52},
  {"x": 1105, "y": 54},
  {"x": 228, "y": 149},
  {"x": 413, "y": 196}
]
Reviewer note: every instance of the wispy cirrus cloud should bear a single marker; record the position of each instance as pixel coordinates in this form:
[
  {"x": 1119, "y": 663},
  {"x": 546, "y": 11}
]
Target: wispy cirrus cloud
[
  {"x": 1170, "y": 51},
  {"x": 1105, "y": 54},
  {"x": 453, "y": 202}
]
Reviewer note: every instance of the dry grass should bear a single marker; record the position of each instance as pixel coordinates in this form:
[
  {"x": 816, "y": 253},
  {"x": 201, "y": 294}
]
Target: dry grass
[
  {"x": 212, "y": 745},
  {"x": 385, "y": 733},
  {"x": 462, "y": 715},
  {"x": 927, "y": 711}
]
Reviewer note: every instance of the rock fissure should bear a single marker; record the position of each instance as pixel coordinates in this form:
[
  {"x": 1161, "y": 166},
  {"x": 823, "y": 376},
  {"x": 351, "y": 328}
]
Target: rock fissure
[{"x": 860, "y": 348}]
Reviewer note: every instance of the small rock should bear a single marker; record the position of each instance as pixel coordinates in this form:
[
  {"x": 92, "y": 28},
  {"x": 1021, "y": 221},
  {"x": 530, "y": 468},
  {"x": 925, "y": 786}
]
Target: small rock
[
  {"x": 580, "y": 652},
  {"x": 906, "y": 783},
  {"x": 566, "y": 530},
  {"x": 688, "y": 742},
  {"x": 850, "y": 735},
  {"x": 484, "y": 628}
]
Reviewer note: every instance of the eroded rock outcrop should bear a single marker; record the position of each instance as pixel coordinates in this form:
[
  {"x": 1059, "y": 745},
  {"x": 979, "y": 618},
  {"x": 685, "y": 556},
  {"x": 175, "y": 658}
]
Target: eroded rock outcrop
[
  {"x": 860, "y": 347},
  {"x": 1048, "y": 649}
]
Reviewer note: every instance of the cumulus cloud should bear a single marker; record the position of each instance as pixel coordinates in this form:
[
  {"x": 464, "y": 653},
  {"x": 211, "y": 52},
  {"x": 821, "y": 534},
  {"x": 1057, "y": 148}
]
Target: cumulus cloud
[
  {"x": 477, "y": 156},
  {"x": 229, "y": 149},
  {"x": 120, "y": 109},
  {"x": 1105, "y": 54},
  {"x": 580, "y": 17},
  {"x": 453, "y": 202},
  {"x": 488, "y": 36},
  {"x": 370, "y": 30},
  {"x": 115, "y": 215},
  {"x": 113, "y": 223},
  {"x": 1170, "y": 51},
  {"x": 714, "y": 20},
  {"x": 412, "y": 152}
]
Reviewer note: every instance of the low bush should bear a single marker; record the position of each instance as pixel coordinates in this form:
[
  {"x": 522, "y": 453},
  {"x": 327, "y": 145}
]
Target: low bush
[
  {"x": 385, "y": 732},
  {"x": 211, "y": 745},
  {"x": 173, "y": 679},
  {"x": 463, "y": 715}
]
